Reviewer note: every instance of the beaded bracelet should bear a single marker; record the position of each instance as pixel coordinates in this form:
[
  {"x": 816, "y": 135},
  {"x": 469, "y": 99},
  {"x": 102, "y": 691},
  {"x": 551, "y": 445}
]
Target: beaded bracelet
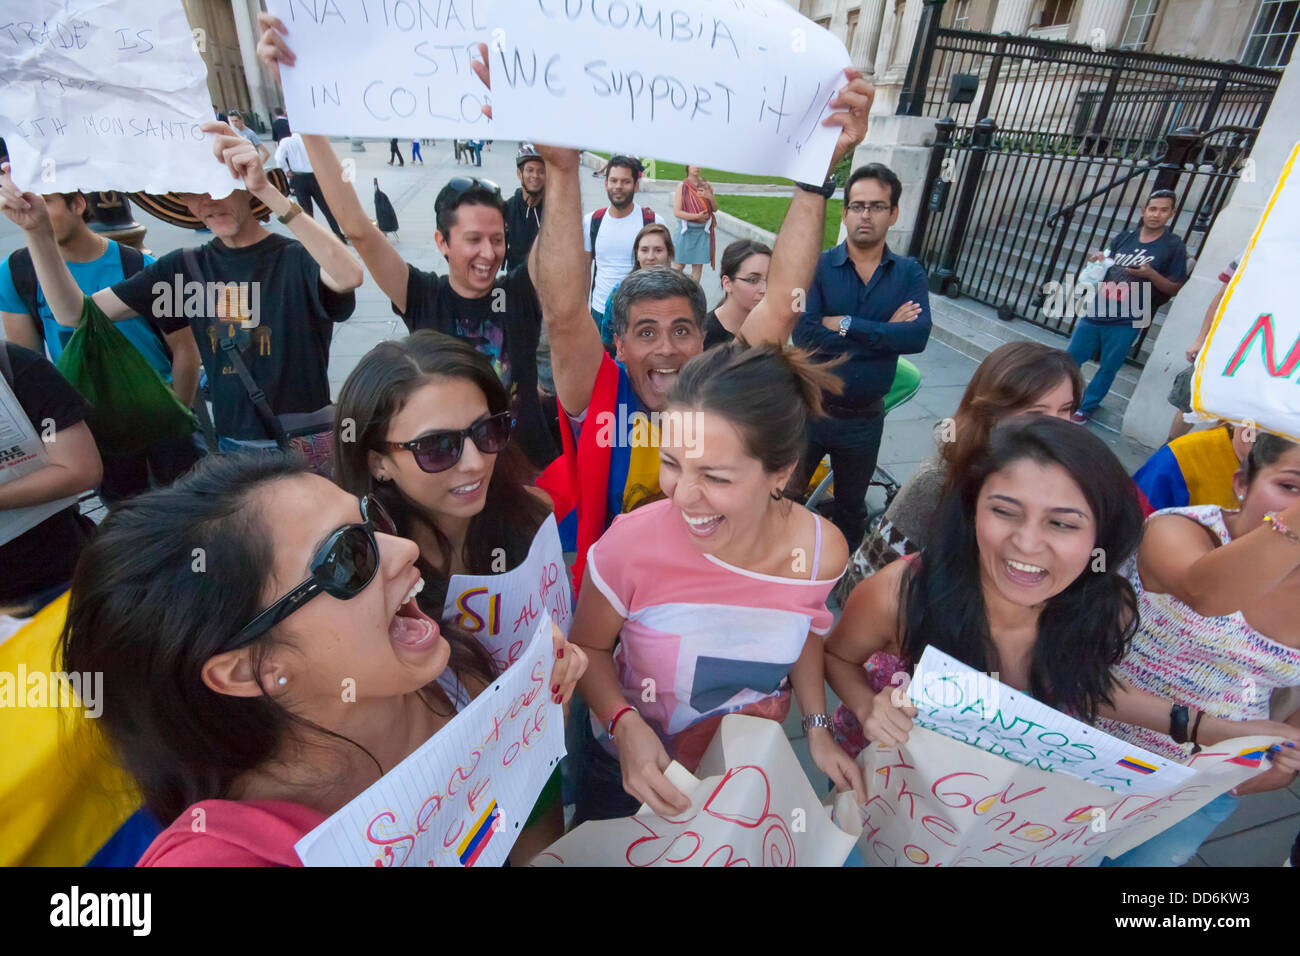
[{"x": 1277, "y": 525}]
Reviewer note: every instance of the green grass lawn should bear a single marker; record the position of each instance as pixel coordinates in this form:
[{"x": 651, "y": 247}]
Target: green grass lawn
[
  {"x": 677, "y": 171},
  {"x": 768, "y": 212}
]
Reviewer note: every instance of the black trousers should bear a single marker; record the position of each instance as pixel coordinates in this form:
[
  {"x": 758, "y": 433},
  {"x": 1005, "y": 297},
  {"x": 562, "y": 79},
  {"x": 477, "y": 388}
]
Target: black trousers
[
  {"x": 394, "y": 153},
  {"x": 307, "y": 189},
  {"x": 854, "y": 446}
]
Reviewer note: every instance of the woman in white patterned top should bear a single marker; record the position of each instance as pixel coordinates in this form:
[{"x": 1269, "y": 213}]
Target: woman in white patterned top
[{"x": 1219, "y": 603}]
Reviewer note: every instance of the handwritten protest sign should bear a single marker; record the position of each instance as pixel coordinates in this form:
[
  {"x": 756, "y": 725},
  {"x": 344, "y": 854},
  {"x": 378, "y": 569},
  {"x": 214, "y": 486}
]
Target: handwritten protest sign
[
  {"x": 755, "y": 808},
  {"x": 964, "y": 704},
  {"x": 1248, "y": 370},
  {"x": 502, "y": 610},
  {"x": 937, "y": 802},
  {"x": 106, "y": 94},
  {"x": 21, "y": 453},
  {"x": 462, "y": 797},
  {"x": 385, "y": 67},
  {"x": 742, "y": 85}
]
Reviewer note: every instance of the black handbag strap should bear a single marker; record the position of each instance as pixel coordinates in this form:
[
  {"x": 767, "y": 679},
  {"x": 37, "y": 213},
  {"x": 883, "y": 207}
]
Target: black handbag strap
[
  {"x": 231, "y": 349},
  {"x": 255, "y": 393}
]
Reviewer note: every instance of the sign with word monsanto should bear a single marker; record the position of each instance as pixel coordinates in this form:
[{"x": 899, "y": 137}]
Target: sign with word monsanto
[
  {"x": 462, "y": 797},
  {"x": 1249, "y": 370},
  {"x": 106, "y": 95},
  {"x": 960, "y": 702}
]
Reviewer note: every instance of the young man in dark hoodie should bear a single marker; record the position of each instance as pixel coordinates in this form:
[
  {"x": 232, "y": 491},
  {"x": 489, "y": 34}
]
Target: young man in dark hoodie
[{"x": 524, "y": 208}]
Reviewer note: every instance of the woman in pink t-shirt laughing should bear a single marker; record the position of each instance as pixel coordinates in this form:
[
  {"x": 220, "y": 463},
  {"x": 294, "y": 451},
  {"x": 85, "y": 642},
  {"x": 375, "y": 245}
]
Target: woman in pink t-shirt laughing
[{"x": 716, "y": 596}]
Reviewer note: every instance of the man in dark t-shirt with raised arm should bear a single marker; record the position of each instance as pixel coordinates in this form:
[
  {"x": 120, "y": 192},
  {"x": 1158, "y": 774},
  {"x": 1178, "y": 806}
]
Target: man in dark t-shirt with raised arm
[
  {"x": 276, "y": 297},
  {"x": 499, "y": 315}
]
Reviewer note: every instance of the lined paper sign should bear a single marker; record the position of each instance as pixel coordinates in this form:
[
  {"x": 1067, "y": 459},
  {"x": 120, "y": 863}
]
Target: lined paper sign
[
  {"x": 106, "y": 95},
  {"x": 960, "y": 702},
  {"x": 384, "y": 67},
  {"x": 461, "y": 798},
  {"x": 740, "y": 85},
  {"x": 502, "y": 610}
]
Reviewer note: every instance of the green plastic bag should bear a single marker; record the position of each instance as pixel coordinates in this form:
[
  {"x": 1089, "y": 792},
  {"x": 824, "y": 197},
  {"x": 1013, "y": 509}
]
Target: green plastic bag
[{"x": 134, "y": 408}]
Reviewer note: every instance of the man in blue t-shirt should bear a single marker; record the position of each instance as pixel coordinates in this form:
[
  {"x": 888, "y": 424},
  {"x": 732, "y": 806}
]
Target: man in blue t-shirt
[
  {"x": 1150, "y": 266},
  {"x": 95, "y": 262}
]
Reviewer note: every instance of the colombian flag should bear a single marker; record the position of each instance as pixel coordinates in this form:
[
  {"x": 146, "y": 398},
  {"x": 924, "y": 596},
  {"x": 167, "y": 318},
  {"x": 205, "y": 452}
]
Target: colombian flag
[
  {"x": 479, "y": 836},
  {"x": 1195, "y": 469},
  {"x": 1249, "y": 758},
  {"x": 1141, "y": 766}
]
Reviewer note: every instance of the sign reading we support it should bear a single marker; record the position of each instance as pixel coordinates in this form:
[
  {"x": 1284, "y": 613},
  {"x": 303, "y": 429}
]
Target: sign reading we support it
[
  {"x": 463, "y": 796},
  {"x": 1247, "y": 372},
  {"x": 106, "y": 95},
  {"x": 385, "y": 67},
  {"x": 741, "y": 85}
]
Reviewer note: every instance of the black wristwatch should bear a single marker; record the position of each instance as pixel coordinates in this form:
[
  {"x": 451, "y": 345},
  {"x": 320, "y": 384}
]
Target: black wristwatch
[
  {"x": 826, "y": 190},
  {"x": 1178, "y": 723}
]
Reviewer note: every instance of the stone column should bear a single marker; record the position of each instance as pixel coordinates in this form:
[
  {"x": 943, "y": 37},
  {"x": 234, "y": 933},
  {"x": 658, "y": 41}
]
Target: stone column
[
  {"x": 839, "y": 24},
  {"x": 246, "y": 27},
  {"x": 1108, "y": 16},
  {"x": 904, "y": 37},
  {"x": 865, "y": 41},
  {"x": 1012, "y": 16}
]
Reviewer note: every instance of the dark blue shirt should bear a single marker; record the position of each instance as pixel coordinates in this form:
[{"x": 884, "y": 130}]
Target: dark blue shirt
[{"x": 872, "y": 344}]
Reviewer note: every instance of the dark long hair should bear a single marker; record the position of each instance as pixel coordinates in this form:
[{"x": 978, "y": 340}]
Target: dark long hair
[
  {"x": 1082, "y": 631},
  {"x": 1011, "y": 377},
  {"x": 377, "y": 390},
  {"x": 144, "y": 614}
]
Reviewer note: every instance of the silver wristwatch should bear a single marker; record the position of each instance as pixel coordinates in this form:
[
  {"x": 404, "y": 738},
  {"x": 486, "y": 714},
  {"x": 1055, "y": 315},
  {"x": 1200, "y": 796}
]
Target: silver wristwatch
[
  {"x": 816, "y": 720},
  {"x": 844, "y": 325}
]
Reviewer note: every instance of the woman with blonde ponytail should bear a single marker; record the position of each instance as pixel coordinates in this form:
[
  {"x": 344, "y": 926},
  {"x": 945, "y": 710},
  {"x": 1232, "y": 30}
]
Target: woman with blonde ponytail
[{"x": 716, "y": 595}]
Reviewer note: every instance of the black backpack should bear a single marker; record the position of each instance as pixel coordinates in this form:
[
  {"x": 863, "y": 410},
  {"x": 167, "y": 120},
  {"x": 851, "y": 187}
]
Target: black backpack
[{"x": 647, "y": 219}]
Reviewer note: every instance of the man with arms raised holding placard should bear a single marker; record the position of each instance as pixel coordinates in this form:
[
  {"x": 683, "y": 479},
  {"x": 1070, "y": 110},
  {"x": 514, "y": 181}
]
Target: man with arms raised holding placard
[
  {"x": 279, "y": 297},
  {"x": 658, "y": 326}
]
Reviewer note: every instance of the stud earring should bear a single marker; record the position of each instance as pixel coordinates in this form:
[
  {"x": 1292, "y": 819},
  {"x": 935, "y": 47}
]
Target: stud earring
[{"x": 282, "y": 681}]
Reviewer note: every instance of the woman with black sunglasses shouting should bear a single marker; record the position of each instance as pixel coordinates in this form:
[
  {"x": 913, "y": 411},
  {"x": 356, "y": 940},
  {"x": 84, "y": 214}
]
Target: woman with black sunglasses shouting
[
  {"x": 225, "y": 613},
  {"x": 424, "y": 425}
]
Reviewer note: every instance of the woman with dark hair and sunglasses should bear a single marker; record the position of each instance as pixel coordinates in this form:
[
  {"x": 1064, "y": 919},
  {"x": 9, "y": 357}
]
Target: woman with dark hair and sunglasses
[
  {"x": 225, "y": 613},
  {"x": 430, "y": 428}
]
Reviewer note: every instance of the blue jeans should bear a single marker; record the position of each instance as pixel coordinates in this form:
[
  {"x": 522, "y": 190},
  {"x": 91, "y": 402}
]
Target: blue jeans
[
  {"x": 1178, "y": 844},
  {"x": 599, "y": 792},
  {"x": 1112, "y": 343}
]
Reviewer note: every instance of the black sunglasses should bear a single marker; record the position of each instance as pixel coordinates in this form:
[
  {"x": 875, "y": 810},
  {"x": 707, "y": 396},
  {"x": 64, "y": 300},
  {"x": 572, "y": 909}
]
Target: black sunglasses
[
  {"x": 460, "y": 185},
  {"x": 342, "y": 567},
  {"x": 438, "y": 451}
]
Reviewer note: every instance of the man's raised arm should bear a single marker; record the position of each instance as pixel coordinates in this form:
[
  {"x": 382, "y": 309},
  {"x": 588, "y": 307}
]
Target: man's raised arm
[
  {"x": 799, "y": 243},
  {"x": 560, "y": 268},
  {"x": 62, "y": 294}
]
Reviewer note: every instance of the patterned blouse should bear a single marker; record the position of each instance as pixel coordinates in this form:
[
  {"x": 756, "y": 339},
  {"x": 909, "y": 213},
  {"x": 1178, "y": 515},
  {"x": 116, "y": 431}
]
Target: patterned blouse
[{"x": 1220, "y": 665}]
